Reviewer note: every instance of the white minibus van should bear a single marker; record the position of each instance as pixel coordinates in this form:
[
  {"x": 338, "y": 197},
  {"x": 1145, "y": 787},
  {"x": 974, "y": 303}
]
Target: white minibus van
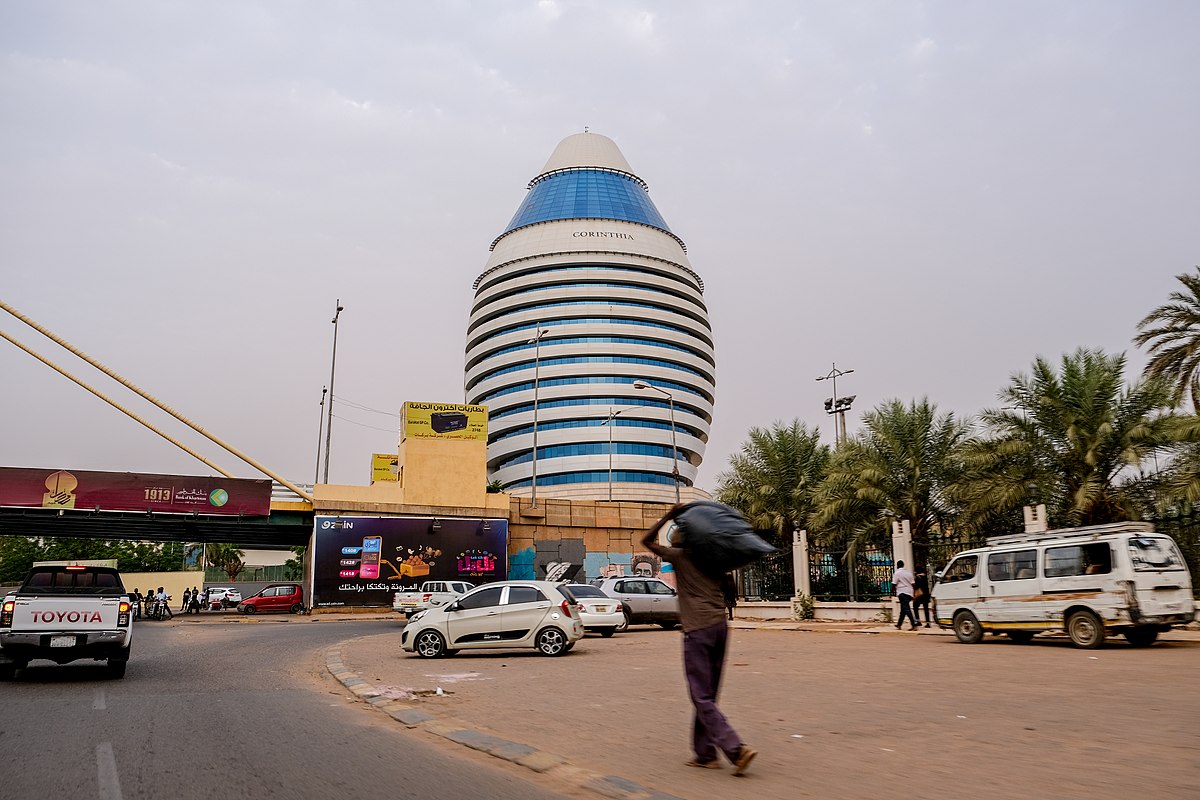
[{"x": 1089, "y": 582}]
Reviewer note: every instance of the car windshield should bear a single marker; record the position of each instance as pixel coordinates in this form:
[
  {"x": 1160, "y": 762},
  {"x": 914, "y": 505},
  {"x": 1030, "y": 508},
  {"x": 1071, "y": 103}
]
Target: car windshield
[
  {"x": 579, "y": 590},
  {"x": 1150, "y": 553},
  {"x": 567, "y": 593}
]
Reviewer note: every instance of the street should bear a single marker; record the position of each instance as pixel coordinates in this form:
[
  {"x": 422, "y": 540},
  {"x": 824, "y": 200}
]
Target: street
[
  {"x": 839, "y": 715},
  {"x": 222, "y": 710}
]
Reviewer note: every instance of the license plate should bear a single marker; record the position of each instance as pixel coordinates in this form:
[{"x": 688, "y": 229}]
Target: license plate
[
  {"x": 407, "y": 603},
  {"x": 62, "y": 641},
  {"x": 601, "y": 609}
]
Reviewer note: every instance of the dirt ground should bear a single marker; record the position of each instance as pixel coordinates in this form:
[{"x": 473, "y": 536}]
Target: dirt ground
[{"x": 840, "y": 715}]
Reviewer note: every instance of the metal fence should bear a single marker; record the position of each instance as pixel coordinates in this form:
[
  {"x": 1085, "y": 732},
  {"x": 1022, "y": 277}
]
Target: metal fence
[
  {"x": 865, "y": 575},
  {"x": 770, "y": 578}
]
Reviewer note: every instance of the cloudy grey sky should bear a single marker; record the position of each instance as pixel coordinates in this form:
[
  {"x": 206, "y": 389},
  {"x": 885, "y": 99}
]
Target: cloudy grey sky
[{"x": 931, "y": 194}]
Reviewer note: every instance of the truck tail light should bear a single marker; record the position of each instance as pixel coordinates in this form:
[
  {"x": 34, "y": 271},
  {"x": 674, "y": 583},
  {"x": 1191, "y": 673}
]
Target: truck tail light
[
  {"x": 6, "y": 615},
  {"x": 123, "y": 613},
  {"x": 426, "y": 597}
]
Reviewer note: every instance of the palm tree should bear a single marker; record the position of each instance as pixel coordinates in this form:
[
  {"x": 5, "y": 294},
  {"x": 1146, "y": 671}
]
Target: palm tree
[
  {"x": 1073, "y": 438},
  {"x": 902, "y": 465},
  {"x": 1173, "y": 332},
  {"x": 773, "y": 479}
]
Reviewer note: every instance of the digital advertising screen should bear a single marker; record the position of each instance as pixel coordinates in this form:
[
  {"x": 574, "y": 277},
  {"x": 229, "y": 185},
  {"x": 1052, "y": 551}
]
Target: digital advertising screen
[{"x": 362, "y": 561}]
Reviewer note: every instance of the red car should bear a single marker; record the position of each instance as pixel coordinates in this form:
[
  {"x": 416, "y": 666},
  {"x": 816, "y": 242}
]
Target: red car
[{"x": 276, "y": 597}]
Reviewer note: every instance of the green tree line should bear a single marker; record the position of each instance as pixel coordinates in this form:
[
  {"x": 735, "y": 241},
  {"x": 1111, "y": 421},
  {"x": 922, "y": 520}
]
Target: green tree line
[{"x": 1074, "y": 434}]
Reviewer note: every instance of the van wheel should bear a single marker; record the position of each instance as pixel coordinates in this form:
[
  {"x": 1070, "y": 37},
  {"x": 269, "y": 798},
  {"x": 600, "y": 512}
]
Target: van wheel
[
  {"x": 1086, "y": 630},
  {"x": 1141, "y": 637},
  {"x": 967, "y": 628},
  {"x": 1021, "y": 637},
  {"x": 248, "y": 609},
  {"x": 295, "y": 609}
]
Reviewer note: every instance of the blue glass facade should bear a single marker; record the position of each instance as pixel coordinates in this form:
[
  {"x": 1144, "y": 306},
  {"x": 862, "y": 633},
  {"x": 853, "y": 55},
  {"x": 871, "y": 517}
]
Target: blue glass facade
[{"x": 587, "y": 194}]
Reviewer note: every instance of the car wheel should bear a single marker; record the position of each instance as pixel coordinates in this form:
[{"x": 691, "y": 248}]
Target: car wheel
[
  {"x": 552, "y": 642},
  {"x": 625, "y": 623},
  {"x": 1086, "y": 630},
  {"x": 669, "y": 626},
  {"x": 569, "y": 647},
  {"x": 967, "y": 628},
  {"x": 607, "y": 632},
  {"x": 295, "y": 609},
  {"x": 116, "y": 668},
  {"x": 1141, "y": 637},
  {"x": 1021, "y": 637},
  {"x": 249, "y": 609},
  {"x": 429, "y": 644}
]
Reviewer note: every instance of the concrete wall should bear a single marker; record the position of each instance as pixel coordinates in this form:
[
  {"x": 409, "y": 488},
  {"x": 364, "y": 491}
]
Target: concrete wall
[{"x": 602, "y": 538}]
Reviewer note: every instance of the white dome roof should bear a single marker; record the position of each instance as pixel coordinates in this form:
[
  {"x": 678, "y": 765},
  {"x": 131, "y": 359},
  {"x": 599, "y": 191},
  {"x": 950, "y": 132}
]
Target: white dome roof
[{"x": 587, "y": 150}]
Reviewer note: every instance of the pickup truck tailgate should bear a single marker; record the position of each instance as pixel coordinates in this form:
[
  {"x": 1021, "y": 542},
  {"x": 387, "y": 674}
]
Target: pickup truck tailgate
[{"x": 65, "y": 613}]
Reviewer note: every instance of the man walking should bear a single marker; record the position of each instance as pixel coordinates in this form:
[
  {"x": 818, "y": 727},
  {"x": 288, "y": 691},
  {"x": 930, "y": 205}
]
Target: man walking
[
  {"x": 903, "y": 580},
  {"x": 705, "y": 634}
]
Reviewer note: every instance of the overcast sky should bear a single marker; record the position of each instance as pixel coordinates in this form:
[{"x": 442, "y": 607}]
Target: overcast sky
[{"x": 930, "y": 194}]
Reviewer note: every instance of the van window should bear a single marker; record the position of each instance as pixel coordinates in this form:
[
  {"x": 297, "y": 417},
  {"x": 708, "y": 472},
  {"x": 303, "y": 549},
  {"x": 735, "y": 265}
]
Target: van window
[
  {"x": 1086, "y": 559},
  {"x": 1149, "y": 553},
  {"x": 963, "y": 569},
  {"x": 1015, "y": 565}
]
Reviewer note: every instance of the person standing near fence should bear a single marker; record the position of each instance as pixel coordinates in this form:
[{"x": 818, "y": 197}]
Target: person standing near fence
[
  {"x": 921, "y": 595},
  {"x": 903, "y": 580}
]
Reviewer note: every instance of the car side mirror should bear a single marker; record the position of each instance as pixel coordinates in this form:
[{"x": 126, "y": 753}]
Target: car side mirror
[{"x": 455, "y": 606}]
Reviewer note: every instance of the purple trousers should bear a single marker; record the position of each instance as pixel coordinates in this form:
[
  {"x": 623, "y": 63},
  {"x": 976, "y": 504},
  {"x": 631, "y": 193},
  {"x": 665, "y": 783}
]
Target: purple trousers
[{"x": 703, "y": 658}]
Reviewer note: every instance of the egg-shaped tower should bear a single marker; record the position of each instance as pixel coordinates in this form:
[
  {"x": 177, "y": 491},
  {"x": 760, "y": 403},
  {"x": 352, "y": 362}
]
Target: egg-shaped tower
[{"x": 589, "y": 320}]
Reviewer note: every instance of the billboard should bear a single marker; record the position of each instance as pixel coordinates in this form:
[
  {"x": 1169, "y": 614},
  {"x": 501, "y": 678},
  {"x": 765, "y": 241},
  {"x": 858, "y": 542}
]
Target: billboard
[
  {"x": 443, "y": 421},
  {"x": 361, "y": 561},
  {"x": 133, "y": 491},
  {"x": 384, "y": 467}
]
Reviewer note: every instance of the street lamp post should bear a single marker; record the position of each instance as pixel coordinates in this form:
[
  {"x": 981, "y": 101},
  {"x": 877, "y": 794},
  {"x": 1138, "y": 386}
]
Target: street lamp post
[
  {"x": 320, "y": 433},
  {"x": 611, "y": 422},
  {"x": 836, "y": 405},
  {"x": 536, "y": 341},
  {"x": 332, "y": 371},
  {"x": 674, "y": 449}
]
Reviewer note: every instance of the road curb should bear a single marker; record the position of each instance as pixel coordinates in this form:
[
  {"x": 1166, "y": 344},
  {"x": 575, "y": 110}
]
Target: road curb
[{"x": 462, "y": 734}]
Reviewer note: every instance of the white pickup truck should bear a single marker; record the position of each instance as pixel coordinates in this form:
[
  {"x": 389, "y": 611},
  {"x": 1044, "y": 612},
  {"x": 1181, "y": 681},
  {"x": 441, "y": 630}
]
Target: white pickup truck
[
  {"x": 430, "y": 595},
  {"x": 64, "y": 613}
]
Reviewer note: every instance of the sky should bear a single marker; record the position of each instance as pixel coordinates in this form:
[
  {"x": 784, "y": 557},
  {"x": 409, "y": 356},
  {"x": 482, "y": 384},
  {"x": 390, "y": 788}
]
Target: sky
[{"x": 930, "y": 194}]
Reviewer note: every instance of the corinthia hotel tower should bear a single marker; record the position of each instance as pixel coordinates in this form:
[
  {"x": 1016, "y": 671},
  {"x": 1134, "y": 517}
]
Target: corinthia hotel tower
[{"x": 589, "y": 339}]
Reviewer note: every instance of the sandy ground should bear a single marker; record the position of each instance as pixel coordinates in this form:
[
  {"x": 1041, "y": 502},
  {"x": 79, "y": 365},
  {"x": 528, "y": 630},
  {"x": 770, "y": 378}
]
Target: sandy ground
[{"x": 839, "y": 715}]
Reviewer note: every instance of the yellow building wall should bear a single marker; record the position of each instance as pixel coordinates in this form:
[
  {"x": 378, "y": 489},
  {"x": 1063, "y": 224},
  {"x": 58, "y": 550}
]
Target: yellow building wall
[
  {"x": 173, "y": 582},
  {"x": 443, "y": 472}
]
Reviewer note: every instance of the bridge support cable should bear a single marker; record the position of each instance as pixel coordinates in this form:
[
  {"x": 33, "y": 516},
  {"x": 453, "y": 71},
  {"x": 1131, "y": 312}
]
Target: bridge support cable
[
  {"x": 114, "y": 403},
  {"x": 133, "y": 388}
]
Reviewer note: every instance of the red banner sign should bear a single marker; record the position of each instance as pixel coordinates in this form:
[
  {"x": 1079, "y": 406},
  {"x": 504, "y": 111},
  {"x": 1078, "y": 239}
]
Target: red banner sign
[{"x": 131, "y": 491}]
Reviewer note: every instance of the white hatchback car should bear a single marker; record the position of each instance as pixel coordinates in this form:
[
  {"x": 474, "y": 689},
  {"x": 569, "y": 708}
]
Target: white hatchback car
[
  {"x": 598, "y": 611},
  {"x": 504, "y": 615}
]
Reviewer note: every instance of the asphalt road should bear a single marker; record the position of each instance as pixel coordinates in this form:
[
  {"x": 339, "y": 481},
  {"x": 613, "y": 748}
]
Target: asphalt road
[{"x": 223, "y": 711}]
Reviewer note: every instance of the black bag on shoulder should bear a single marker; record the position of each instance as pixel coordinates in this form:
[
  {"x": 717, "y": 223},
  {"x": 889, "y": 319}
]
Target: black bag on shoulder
[{"x": 719, "y": 538}]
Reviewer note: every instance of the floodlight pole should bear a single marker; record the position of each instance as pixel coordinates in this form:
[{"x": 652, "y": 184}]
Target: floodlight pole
[
  {"x": 332, "y": 372},
  {"x": 536, "y": 341},
  {"x": 320, "y": 433},
  {"x": 611, "y": 423},
  {"x": 832, "y": 408}
]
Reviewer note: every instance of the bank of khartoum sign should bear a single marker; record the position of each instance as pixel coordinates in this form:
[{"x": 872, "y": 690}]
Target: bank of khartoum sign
[
  {"x": 133, "y": 491},
  {"x": 443, "y": 421}
]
